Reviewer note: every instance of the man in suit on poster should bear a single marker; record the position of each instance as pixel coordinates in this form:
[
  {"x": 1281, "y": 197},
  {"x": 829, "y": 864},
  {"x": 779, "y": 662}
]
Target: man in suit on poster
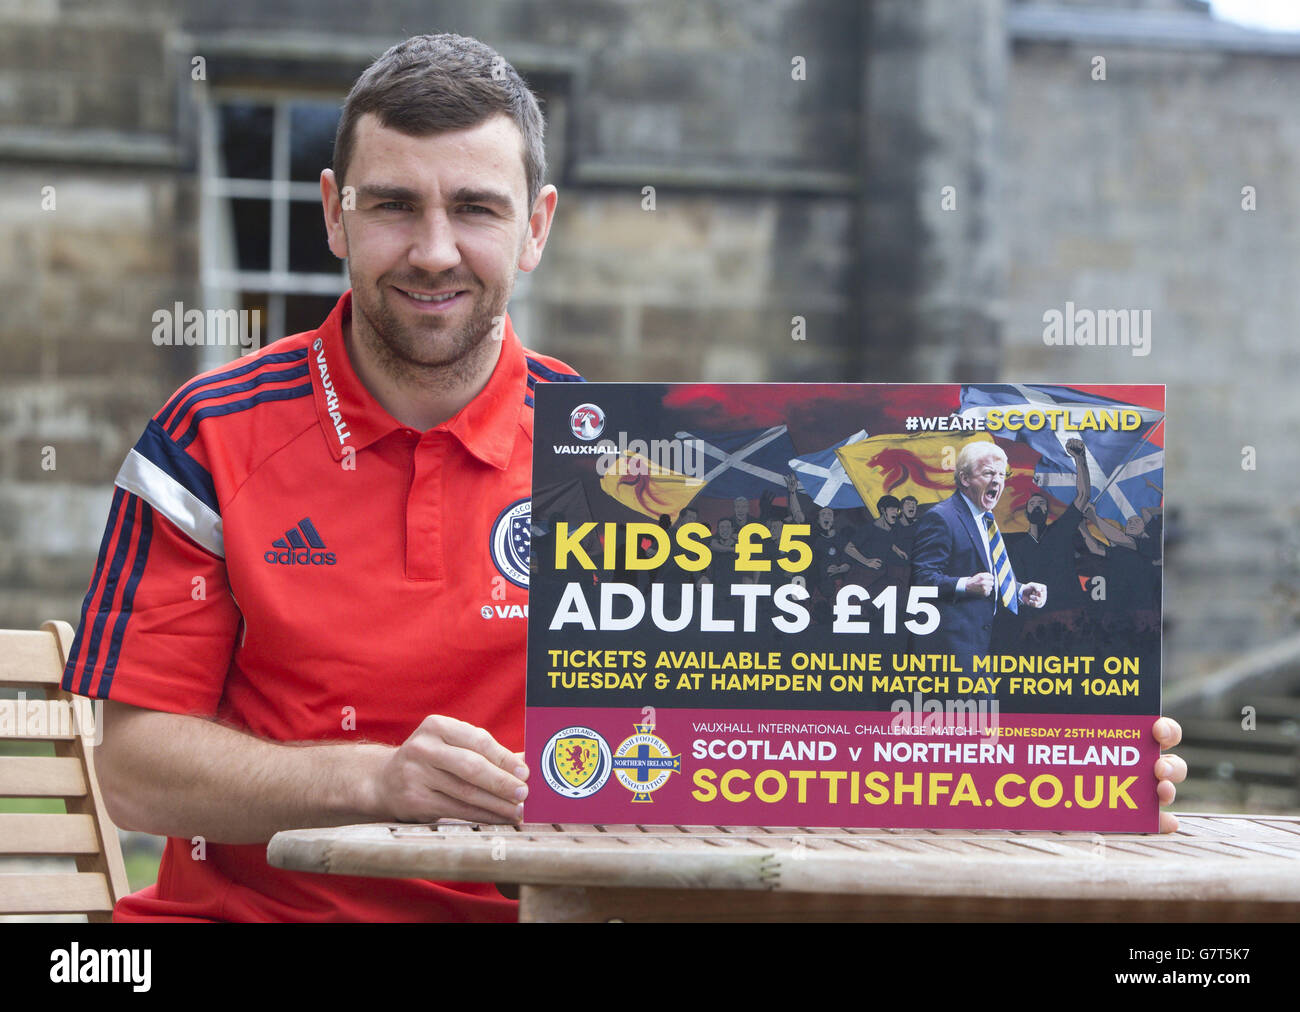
[{"x": 959, "y": 549}]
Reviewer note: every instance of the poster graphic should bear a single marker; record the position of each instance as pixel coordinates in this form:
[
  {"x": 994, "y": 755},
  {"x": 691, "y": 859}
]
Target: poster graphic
[{"x": 909, "y": 605}]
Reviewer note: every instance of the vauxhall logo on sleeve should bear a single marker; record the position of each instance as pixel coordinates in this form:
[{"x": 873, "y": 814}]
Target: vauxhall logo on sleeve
[{"x": 301, "y": 545}]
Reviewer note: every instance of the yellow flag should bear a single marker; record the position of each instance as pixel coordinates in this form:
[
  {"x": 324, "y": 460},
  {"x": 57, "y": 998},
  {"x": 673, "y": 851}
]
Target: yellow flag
[
  {"x": 900, "y": 465},
  {"x": 644, "y": 486},
  {"x": 922, "y": 465}
]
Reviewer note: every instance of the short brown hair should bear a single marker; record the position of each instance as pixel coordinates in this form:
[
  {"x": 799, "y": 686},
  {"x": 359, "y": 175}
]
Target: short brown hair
[{"x": 432, "y": 83}]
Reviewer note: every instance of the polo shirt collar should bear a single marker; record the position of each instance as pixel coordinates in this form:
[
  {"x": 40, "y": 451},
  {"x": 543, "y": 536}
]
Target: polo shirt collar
[{"x": 351, "y": 417}]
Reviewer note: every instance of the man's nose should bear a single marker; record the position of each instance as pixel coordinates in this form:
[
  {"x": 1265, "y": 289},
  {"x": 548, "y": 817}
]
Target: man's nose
[{"x": 434, "y": 247}]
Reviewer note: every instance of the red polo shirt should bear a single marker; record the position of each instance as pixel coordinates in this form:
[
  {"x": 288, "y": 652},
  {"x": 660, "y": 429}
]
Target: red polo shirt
[{"x": 284, "y": 556}]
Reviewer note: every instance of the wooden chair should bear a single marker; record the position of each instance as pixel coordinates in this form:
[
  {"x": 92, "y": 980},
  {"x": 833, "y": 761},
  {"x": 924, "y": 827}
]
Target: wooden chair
[{"x": 32, "y": 662}]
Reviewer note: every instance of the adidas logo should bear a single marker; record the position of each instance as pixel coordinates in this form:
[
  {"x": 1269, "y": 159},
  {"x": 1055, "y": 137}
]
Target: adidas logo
[{"x": 300, "y": 546}]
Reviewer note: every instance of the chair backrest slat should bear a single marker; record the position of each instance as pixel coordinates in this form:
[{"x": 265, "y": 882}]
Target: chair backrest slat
[
  {"x": 24, "y": 776},
  {"x": 32, "y": 663},
  {"x": 66, "y": 893},
  {"x": 30, "y": 658},
  {"x": 48, "y": 834}
]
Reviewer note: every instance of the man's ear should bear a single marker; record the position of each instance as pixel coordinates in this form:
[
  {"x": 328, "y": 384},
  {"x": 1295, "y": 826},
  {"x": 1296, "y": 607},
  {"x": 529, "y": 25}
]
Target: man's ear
[
  {"x": 332, "y": 204},
  {"x": 539, "y": 228}
]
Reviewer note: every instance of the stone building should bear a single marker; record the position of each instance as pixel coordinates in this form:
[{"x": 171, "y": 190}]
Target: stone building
[{"x": 919, "y": 180}]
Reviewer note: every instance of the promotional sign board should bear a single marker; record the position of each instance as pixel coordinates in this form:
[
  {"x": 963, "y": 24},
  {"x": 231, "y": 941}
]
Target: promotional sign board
[{"x": 769, "y": 604}]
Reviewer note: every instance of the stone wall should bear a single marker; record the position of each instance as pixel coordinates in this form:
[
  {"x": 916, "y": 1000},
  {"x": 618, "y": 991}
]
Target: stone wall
[
  {"x": 97, "y": 228},
  {"x": 1139, "y": 204},
  {"x": 774, "y": 197}
]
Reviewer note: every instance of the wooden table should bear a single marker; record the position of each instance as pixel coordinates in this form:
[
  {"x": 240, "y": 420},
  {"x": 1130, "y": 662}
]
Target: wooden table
[{"x": 1216, "y": 867}]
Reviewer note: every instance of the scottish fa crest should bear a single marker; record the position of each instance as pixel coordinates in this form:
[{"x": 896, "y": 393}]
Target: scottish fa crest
[
  {"x": 643, "y": 763},
  {"x": 576, "y": 762},
  {"x": 511, "y": 540}
]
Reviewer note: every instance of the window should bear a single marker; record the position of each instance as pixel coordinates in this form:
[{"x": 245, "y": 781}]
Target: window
[{"x": 262, "y": 242}]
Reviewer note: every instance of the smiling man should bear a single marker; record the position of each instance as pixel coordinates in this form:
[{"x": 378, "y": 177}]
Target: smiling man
[
  {"x": 289, "y": 618},
  {"x": 959, "y": 549}
]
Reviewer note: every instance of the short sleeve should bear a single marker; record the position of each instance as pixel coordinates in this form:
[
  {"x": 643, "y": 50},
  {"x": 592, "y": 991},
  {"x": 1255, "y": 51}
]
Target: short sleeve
[{"x": 158, "y": 624}]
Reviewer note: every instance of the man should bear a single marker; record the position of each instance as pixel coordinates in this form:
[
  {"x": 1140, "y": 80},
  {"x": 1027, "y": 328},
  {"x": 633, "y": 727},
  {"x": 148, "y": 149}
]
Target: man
[
  {"x": 1045, "y": 552},
  {"x": 905, "y": 532},
  {"x": 959, "y": 550},
  {"x": 828, "y": 543},
  {"x": 278, "y": 617},
  {"x": 908, "y": 513},
  {"x": 288, "y": 618},
  {"x": 875, "y": 546},
  {"x": 740, "y": 514},
  {"x": 1132, "y": 560}
]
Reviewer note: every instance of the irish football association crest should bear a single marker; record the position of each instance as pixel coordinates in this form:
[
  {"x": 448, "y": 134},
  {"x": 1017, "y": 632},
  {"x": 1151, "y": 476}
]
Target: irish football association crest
[{"x": 644, "y": 762}]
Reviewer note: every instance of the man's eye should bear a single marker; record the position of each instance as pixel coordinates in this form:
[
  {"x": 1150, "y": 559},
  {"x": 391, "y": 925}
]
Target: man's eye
[
  {"x": 394, "y": 205},
  {"x": 476, "y": 209}
]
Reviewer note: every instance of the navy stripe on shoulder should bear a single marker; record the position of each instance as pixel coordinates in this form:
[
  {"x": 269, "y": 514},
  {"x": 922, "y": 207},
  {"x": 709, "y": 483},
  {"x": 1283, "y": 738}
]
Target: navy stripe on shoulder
[
  {"x": 128, "y": 600},
  {"x": 212, "y": 393},
  {"x": 108, "y": 580},
  {"x": 160, "y": 450},
  {"x": 234, "y": 407},
  {"x": 70, "y": 682},
  {"x": 528, "y": 401},
  {"x": 550, "y": 375},
  {"x": 243, "y": 369}
]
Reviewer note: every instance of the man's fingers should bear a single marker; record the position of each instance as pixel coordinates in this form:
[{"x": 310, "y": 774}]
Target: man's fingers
[
  {"x": 474, "y": 768},
  {"x": 1171, "y": 768},
  {"x": 457, "y": 732},
  {"x": 1168, "y": 822},
  {"x": 1167, "y": 732},
  {"x": 440, "y": 782}
]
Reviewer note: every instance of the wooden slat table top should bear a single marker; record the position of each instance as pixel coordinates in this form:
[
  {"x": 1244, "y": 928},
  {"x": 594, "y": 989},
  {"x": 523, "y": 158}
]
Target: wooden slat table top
[{"x": 1210, "y": 858}]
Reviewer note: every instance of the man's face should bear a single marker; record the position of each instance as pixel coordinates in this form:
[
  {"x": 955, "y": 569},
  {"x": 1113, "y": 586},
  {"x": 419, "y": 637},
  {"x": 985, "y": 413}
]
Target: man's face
[
  {"x": 742, "y": 509},
  {"x": 909, "y": 509},
  {"x": 891, "y": 515},
  {"x": 826, "y": 518},
  {"x": 1036, "y": 509},
  {"x": 1134, "y": 526},
  {"x": 986, "y": 480},
  {"x": 687, "y": 516},
  {"x": 440, "y": 227},
  {"x": 724, "y": 529}
]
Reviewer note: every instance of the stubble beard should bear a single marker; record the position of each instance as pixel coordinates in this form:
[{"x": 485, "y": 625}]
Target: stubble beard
[{"x": 438, "y": 353}]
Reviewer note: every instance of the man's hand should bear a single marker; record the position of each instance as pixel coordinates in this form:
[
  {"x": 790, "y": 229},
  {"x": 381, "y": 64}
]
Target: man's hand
[
  {"x": 1033, "y": 594},
  {"x": 1169, "y": 770},
  {"x": 1074, "y": 447},
  {"x": 450, "y": 769},
  {"x": 980, "y": 585}
]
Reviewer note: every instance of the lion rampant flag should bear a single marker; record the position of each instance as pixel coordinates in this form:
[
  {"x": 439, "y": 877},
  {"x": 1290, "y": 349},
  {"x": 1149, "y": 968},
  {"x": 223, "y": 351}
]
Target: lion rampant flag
[
  {"x": 641, "y": 485},
  {"x": 921, "y": 465}
]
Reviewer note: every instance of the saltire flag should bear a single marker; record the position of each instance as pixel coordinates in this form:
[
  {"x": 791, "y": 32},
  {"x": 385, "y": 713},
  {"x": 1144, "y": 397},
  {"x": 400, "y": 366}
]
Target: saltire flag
[
  {"x": 743, "y": 463},
  {"x": 646, "y": 487},
  {"x": 823, "y": 476},
  {"x": 568, "y": 499},
  {"x": 1107, "y": 451},
  {"x": 1120, "y": 494}
]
